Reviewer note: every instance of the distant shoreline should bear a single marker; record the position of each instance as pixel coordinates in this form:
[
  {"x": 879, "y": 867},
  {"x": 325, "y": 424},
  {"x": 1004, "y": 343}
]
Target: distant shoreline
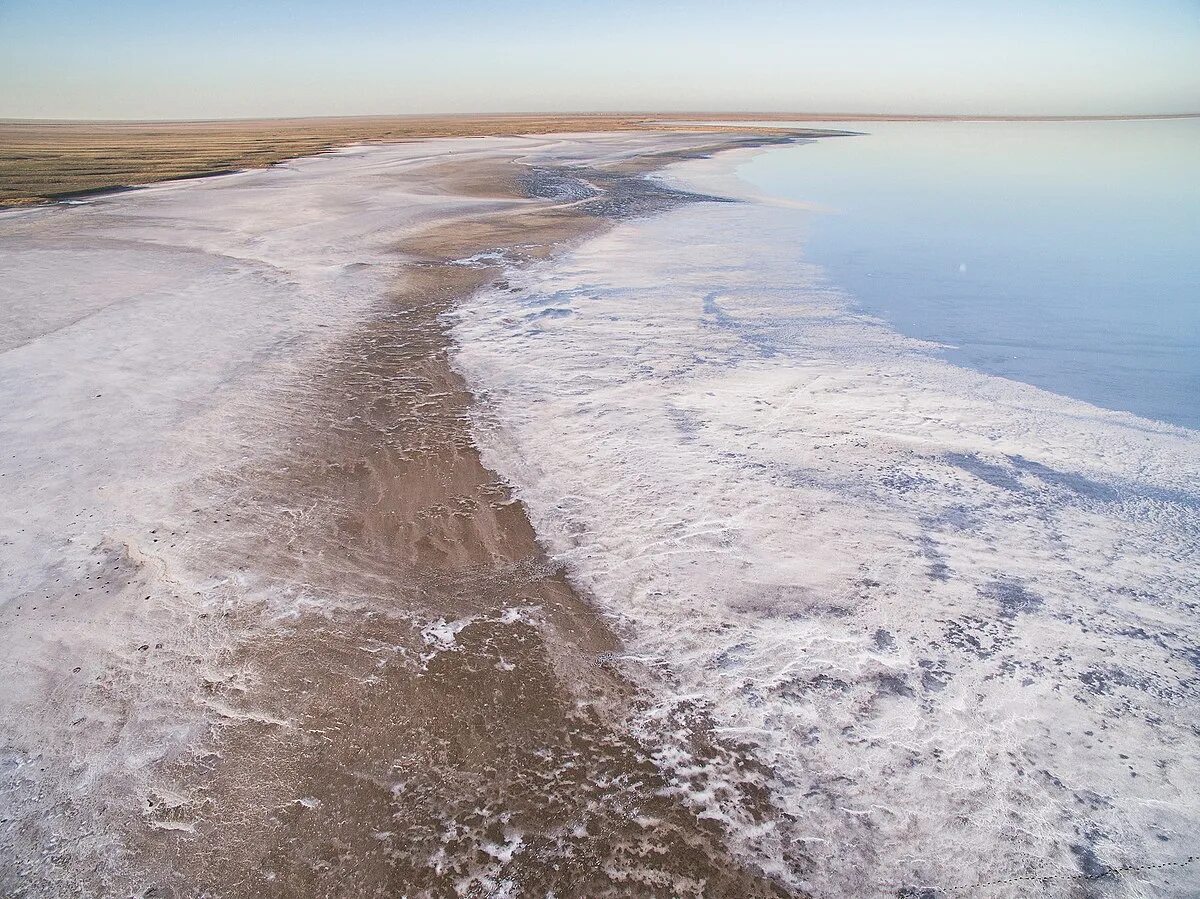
[
  {"x": 42, "y": 162},
  {"x": 646, "y": 116},
  {"x": 45, "y": 160}
]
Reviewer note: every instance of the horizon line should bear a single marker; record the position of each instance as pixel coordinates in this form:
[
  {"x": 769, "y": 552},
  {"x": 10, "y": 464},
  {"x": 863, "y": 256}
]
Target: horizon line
[{"x": 707, "y": 115}]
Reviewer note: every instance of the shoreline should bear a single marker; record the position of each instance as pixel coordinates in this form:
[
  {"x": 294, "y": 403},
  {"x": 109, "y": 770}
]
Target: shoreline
[
  {"x": 47, "y": 162},
  {"x": 855, "y": 553},
  {"x": 446, "y": 671}
]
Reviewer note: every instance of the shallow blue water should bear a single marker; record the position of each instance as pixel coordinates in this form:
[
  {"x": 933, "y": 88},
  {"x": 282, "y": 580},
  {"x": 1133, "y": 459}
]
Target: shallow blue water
[{"x": 1065, "y": 255}]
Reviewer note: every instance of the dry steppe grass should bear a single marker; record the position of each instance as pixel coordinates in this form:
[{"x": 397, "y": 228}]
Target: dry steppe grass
[{"x": 42, "y": 161}]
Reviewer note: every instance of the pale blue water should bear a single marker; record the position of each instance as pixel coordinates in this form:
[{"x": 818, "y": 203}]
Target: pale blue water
[{"x": 1065, "y": 255}]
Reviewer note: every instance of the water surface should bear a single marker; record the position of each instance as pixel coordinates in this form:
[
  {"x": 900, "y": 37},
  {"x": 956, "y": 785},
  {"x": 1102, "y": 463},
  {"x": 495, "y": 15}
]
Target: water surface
[{"x": 1065, "y": 255}]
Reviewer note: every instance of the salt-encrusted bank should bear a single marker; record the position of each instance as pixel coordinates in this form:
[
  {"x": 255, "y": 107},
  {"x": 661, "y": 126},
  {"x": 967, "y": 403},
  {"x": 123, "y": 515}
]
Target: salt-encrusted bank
[
  {"x": 268, "y": 627},
  {"x": 954, "y": 615}
]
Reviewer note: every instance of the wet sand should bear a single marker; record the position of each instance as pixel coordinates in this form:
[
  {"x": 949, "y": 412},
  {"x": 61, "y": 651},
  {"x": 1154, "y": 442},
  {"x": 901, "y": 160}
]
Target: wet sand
[{"x": 434, "y": 710}]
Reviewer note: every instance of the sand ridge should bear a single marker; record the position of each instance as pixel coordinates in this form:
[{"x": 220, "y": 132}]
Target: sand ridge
[{"x": 386, "y": 685}]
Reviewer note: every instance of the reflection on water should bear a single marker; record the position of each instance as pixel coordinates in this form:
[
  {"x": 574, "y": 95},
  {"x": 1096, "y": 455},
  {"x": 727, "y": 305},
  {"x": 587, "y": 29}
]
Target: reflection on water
[{"x": 1066, "y": 255}]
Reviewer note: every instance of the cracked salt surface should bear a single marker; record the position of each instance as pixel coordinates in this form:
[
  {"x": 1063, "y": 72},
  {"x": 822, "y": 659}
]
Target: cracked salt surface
[{"x": 954, "y": 614}]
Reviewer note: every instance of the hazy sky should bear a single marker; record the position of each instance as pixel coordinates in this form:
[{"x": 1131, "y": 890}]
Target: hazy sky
[{"x": 170, "y": 59}]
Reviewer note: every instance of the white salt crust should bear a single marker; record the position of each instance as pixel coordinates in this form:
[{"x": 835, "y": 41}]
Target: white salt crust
[{"x": 954, "y": 614}]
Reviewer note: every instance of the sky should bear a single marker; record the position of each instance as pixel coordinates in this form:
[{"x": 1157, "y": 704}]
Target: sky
[{"x": 162, "y": 59}]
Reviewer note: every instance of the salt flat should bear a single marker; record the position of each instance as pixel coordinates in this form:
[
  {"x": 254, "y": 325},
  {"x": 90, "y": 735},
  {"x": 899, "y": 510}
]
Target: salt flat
[
  {"x": 262, "y": 609},
  {"x": 475, "y": 515}
]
